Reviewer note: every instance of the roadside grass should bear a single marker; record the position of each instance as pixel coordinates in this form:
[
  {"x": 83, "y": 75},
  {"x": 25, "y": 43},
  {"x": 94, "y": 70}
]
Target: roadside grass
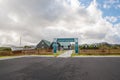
[
  {"x": 83, "y": 52},
  {"x": 4, "y": 56},
  {"x": 43, "y": 54},
  {"x": 11, "y": 56},
  {"x": 21, "y": 53},
  {"x": 17, "y": 55},
  {"x": 89, "y": 54},
  {"x": 25, "y": 55},
  {"x": 97, "y": 52}
]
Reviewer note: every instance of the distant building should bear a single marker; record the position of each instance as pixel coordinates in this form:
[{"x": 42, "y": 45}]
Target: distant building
[
  {"x": 17, "y": 48},
  {"x": 20, "y": 48},
  {"x": 43, "y": 44}
]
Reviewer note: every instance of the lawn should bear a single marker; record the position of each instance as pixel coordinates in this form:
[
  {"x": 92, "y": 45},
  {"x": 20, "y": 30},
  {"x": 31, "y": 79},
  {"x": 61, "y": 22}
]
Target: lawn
[
  {"x": 98, "y": 52},
  {"x": 30, "y": 52},
  {"x": 92, "y": 55}
]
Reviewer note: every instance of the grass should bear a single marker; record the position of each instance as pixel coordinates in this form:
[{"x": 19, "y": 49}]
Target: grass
[
  {"x": 98, "y": 52},
  {"x": 6, "y": 56},
  {"x": 5, "y": 49},
  {"x": 42, "y": 54},
  {"x": 3, "y": 56},
  {"x": 50, "y": 54},
  {"x": 86, "y": 52},
  {"x": 22, "y": 55},
  {"x": 80, "y": 54}
]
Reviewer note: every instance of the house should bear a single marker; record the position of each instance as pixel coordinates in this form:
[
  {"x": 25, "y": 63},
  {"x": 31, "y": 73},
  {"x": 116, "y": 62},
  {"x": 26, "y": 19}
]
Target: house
[{"x": 43, "y": 44}]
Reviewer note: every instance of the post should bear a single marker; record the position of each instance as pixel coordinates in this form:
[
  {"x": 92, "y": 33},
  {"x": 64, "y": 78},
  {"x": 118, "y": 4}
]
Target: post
[
  {"x": 55, "y": 45},
  {"x": 76, "y": 46}
]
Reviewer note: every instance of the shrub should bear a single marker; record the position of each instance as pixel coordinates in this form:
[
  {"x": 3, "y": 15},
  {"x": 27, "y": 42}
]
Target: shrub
[{"x": 5, "y": 49}]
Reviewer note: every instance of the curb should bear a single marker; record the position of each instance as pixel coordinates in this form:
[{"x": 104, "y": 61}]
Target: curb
[{"x": 14, "y": 57}]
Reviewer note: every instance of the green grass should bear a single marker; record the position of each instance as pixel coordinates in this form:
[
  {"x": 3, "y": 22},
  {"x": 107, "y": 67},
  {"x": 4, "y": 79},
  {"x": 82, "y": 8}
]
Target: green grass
[
  {"x": 6, "y": 56},
  {"x": 5, "y": 49},
  {"x": 88, "y": 52},
  {"x": 23, "y": 55},
  {"x": 74, "y": 54},
  {"x": 42, "y": 54}
]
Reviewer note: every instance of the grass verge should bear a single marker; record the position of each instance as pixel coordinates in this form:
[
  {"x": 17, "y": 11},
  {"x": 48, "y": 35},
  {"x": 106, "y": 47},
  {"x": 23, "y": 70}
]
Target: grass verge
[{"x": 80, "y": 54}]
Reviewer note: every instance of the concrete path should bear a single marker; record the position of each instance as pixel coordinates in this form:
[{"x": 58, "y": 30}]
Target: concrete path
[{"x": 66, "y": 54}]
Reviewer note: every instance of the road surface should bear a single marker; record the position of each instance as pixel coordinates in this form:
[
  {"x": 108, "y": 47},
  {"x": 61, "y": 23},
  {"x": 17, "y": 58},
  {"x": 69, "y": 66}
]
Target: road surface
[{"x": 39, "y": 68}]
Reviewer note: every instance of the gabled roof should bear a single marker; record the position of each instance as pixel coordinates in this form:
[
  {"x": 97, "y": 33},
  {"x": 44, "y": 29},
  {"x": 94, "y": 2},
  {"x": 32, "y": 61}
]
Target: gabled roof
[{"x": 47, "y": 42}]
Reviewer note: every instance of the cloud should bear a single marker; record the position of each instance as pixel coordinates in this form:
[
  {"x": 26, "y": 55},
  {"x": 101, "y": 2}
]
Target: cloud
[
  {"x": 111, "y": 4},
  {"x": 47, "y": 19},
  {"x": 114, "y": 35},
  {"x": 111, "y": 18},
  {"x": 106, "y": 6},
  {"x": 117, "y": 6}
]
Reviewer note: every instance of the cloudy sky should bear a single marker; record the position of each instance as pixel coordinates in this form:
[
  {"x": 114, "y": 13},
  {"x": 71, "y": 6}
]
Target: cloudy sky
[{"x": 90, "y": 20}]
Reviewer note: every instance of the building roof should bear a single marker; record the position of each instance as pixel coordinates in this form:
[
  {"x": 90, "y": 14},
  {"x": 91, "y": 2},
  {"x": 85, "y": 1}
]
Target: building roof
[{"x": 47, "y": 42}]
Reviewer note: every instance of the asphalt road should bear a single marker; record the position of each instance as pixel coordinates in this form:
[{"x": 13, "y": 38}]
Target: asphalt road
[{"x": 39, "y": 68}]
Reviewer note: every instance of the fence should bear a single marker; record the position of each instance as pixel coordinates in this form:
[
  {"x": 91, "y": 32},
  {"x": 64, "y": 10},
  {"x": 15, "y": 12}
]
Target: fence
[
  {"x": 5, "y": 53},
  {"x": 100, "y": 51},
  {"x": 38, "y": 52},
  {"x": 26, "y": 52},
  {"x": 49, "y": 52}
]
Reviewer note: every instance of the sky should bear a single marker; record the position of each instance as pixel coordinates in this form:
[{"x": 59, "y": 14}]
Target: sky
[{"x": 92, "y": 21}]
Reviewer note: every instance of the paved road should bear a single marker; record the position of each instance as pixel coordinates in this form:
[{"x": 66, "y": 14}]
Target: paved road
[
  {"x": 39, "y": 68},
  {"x": 66, "y": 54}
]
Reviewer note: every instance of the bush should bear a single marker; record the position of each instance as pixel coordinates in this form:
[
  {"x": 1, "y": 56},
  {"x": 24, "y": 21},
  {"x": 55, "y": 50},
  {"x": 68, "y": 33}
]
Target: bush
[
  {"x": 88, "y": 47},
  {"x": 5, "y": 49}
]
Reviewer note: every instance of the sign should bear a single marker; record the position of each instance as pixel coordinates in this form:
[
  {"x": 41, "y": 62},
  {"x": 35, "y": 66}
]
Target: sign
[{"x": 65, "y": 39}]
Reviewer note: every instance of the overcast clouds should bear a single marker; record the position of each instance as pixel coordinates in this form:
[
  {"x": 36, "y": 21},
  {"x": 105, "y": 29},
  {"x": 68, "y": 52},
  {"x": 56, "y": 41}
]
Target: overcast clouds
[{"x": 46, "y": 19}]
